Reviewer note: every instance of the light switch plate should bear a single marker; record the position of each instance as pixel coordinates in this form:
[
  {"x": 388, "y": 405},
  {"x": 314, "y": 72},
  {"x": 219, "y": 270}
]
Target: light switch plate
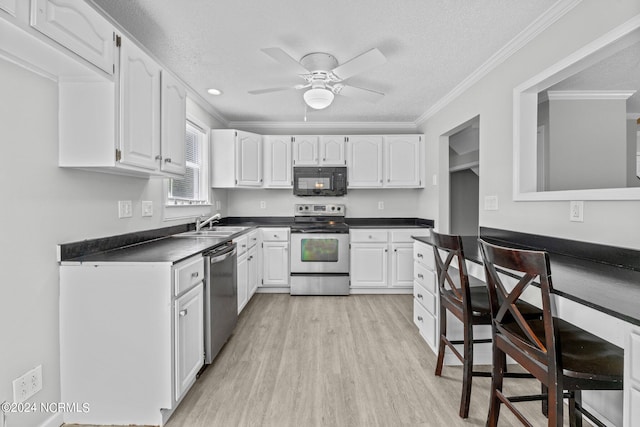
[
  {"x": 147, "y": 208},
  {"x": 490, "y": 203},
  {"x": 125, "y": 209}
]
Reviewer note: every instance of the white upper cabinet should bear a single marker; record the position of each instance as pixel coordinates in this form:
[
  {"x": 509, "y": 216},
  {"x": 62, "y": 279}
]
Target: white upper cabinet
[
  {"x": 139, "y": 108},
  {"x": 332, "y": 151},
  {"x": 76, "y": 26},
  {"x": 277, "y": 161},
  {"x": 364, "y": 161},
  {"x": 174, "y": 113},
  {"x": 305, "y": 150},
  {"x": 402, "y": 161},
  {"x": 312, "y": 150},
  {"x": 236, "y": 159},
  {"x": 384, "y": 161},
  {"x": 249, "y": 159}
]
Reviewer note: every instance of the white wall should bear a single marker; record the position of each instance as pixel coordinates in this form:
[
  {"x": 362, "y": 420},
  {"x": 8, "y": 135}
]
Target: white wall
[
  {"x": 359, "y": 203},
  {"x": 607, "y": 222},
  {"x": 42, "y": 206}
]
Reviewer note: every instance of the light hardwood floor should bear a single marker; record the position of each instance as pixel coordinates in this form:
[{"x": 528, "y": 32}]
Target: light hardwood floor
[{"x": 334, "y": 361}]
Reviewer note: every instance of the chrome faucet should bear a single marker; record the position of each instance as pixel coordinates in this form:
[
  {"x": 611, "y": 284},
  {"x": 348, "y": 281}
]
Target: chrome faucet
[{"x": 200, "y": 223}]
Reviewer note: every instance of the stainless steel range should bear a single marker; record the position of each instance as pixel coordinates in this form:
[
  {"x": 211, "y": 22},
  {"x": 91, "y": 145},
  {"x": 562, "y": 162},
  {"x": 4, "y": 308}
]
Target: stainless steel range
[{"x": 319, "y": 250}]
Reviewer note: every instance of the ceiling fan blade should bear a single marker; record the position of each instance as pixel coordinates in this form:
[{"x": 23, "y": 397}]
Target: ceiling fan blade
[
  {"x": 361, "y": 94},
  {"x": 369, "y": 59},
  {"x": 276, "y": 89},
  {"x": 285, "y": 59}
]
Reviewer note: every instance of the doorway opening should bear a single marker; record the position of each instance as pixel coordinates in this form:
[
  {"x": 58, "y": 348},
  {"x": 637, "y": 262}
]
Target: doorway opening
[{"x": 464, "y": 178}]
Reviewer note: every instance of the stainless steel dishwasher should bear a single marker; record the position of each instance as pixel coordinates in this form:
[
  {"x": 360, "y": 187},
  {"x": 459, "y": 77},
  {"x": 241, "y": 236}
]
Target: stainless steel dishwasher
[{"x": 221, "y": 298}]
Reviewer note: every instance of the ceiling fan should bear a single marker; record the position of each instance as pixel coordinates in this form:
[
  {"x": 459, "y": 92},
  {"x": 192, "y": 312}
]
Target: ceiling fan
[{"x": 324, "y": 76}]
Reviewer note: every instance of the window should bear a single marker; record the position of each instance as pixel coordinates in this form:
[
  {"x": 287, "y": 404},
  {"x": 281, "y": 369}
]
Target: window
[{"x": 192, "y": 189}]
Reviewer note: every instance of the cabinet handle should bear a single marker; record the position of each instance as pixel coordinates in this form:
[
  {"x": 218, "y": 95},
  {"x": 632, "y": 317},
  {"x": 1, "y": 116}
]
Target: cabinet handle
[
  {"x": 419, "y": 296},
  {"x": 420, "y": 318},
  {"x": 420, "y": 276},
  {"x": 395, "y": 250},
  {"x": 167, "y": 160},
  {"x": 420, "y": 255},
  {"x": 244, "y": 246},
  {"x": 386, "y": 250},
  {"x": 183, "y": 312},
  {"x": 158, "y": 157},
  {"x": 194, "y": 275},
  {"x": 275, "y": 235}
]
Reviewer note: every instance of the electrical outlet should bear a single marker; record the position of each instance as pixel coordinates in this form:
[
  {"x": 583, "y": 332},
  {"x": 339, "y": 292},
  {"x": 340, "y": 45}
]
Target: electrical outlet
[
  {"x": 147, "y": 208},
  {"x": 27, "y": 385},
  {"x": 263, "y": 204},
  {"x": 218, "y": 205},
  {"x": 125, "y": 209},
  {"x": 434, "y": 179},
  {"x": 381, "y": 205},
  {"x": 576, "y": 211}
]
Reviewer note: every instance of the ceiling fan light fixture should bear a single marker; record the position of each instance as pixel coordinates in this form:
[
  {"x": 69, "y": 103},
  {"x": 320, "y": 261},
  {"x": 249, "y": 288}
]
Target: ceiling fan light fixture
[{"x": 318, "y": 98}]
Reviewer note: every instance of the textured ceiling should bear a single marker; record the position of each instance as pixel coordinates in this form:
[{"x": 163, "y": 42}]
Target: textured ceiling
[{"x": 431, "y": 47}]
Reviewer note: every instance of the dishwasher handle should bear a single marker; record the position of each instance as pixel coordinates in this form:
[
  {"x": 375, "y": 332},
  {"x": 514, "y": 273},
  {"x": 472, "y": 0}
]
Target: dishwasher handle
[{"x": 221, "y": 253}]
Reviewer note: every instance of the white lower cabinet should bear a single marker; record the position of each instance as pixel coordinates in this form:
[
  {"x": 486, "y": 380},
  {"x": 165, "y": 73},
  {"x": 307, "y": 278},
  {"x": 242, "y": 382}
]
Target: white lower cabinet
[
  {"x": 382, "y": 258},
  {"x": 131, "y": 339},
  {"x": 275, "y": 258},
  {"x": 425, "y": 294},
  {"x": 248, "y": 267},
  {"x": 189, "y": 343}
]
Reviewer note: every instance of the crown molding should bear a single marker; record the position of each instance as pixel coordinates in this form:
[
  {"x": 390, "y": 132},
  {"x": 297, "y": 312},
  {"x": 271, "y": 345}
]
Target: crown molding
[
  {"x": 583, "y": 95},
  {"x": 552, "y": 14},
  {"x": 334, "y": 126}
]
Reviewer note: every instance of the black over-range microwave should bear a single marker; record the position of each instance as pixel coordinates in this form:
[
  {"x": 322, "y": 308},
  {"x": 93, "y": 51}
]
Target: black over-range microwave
[{"x": 319, "y": 181}]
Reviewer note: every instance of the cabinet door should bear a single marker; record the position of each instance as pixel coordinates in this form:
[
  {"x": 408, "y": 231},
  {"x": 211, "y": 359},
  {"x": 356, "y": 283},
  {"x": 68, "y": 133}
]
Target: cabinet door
[
  {"x": 139, "y": 108},
  {"x": 368, "y": 265},
  {"x": 243, "y": 278},
  {"x": 402, "y": 265},
  {"x": 76, "y": 26},
  {"x": 189, "y": 341},
  {"x": 277, "y": 162},
  {"x": 305, "y": 150},
  {"x": 275, "y": 264},
  {"x": 402, "y": 161},
  {"x": 174, "y": 116},
  {"x": 252, "y": 272},
  {"x": 249, "y": 159},
  {"x": 332, "y": 151},
  {"x": 364, "y": 161}
]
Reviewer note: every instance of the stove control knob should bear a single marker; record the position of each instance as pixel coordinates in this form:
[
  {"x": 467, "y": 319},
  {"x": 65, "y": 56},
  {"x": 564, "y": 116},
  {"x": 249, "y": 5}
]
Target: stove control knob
[
  {"x": 338, "y": 207},
  {"x": 333, "y": 208}
]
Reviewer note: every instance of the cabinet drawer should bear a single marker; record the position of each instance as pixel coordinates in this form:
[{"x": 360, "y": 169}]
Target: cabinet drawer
[
  {"x": 425, "y": 277},
  {"x": 405, "y": 235},
  {"x": 425, "y": 322},
  {"x": 275, "y": 234},
  {"x": 188, "y": 273},
  {"x": 242, "y": 243},
  {"x": 252, "y": 238},
  {"x": 368, "y": 236},
  {"x": 423, "y": 254},
  {"x": 425, "y": 298}
]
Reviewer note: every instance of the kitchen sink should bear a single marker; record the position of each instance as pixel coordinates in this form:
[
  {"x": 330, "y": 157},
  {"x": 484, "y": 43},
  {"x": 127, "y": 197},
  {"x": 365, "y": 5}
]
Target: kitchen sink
[{"x": 217, "y": 231}]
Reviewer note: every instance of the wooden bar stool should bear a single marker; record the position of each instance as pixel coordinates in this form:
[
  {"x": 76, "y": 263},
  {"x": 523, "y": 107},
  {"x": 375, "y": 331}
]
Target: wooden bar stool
[
  {"x": 467, "y": 299},
  {"x": 560, "y": 355}
]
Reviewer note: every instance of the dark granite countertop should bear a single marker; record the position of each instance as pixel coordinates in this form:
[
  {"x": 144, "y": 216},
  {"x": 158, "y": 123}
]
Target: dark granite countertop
[
  {"x": 164, "y": 250},
  {"x": 158, "y": 245},
  {"x": 612, "y": 289}
]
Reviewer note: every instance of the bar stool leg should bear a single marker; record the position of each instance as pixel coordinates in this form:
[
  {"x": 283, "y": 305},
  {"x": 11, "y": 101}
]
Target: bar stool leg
[
  {"x": 575, "y": 416},
  {"x": 441, "y": 343},
  {"x": 499, "y": 363},
  {"x": 467, "y": 374}
]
